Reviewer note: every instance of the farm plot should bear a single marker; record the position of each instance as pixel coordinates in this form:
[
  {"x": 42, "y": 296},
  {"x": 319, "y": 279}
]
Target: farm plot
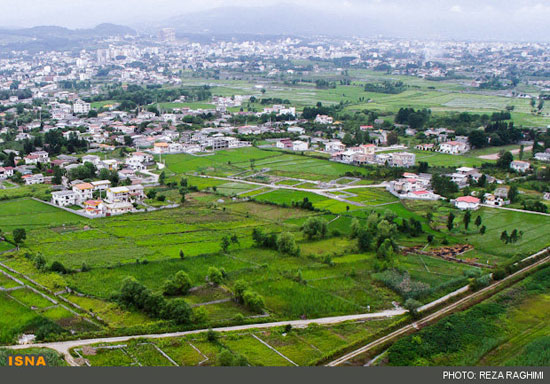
[
  {"x": 436, "y": 159},
  {"x": 371, "y": 196},
  {"x": 31, "y": 214},
  {"x": 259, "y": 347},
  {"x": 243, "y": 160},
  {"x": 535, "y": 230},
  {"x": 221, "y": 163},
  {"x": 153, "y": 236},
  {"x": 24, "y": 311}
]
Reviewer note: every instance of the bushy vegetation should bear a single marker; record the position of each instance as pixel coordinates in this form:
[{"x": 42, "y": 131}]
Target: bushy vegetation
[
  {"x": 401, "y": 283},
  {"x": 471, "y": 337},
  {"x": 135, "y": 295}
]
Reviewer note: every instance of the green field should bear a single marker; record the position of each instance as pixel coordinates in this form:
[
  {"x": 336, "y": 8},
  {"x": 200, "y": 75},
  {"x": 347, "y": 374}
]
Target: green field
[
  {"x": 231, "y": 162},
  {"x": 510, "y": 329},
  {"x": 300, "y": 347},
  {"x": 442, "y": 97},
  {"x": 186, "y": 105},
  {"x": 31, "y": 214}
]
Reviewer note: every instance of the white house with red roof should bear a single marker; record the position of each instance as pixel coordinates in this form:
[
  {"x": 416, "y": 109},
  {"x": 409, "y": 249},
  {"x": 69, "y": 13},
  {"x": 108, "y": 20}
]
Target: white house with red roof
[
  {"x": 453, "y": 147},
  {"x": 6, "y": 172},
  {"x": 467, "y": 202}
]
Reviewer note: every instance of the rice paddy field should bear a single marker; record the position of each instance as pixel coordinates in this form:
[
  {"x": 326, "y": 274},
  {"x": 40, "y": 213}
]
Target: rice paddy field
[{"x": 147, "y": 247}]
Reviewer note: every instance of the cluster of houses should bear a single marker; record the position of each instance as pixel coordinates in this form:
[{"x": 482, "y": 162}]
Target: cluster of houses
[
  {"x": 366, "y": 154},
  {"x": 215, "y": 142},
  {"x": 413, "y": 187},
  {"x": 98, "y": 198},
  {"x": 453, "y": 147},
  {"x": 126, "y": 170}
]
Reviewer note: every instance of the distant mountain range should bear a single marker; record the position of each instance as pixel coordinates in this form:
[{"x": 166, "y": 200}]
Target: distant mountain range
[
  {"x": 52, "y": 37},
  {"x": 281, "y": 19}
]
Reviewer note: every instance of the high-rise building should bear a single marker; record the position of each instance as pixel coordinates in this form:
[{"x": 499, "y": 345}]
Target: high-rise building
[{"x": 167, "y": 35}]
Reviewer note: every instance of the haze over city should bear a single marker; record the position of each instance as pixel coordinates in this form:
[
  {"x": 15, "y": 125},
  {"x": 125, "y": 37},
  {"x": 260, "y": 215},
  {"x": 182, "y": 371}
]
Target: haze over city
[{"x": 454, "y": 19}]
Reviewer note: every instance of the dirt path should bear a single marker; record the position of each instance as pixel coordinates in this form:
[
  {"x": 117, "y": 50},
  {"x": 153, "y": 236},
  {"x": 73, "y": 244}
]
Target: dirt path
[
  {"x": 494, "y": 156},
  {"x": 64, "y": 346}
]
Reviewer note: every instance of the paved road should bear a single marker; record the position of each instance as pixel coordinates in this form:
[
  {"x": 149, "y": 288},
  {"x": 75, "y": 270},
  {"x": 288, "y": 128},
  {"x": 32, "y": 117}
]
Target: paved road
[
  {"x": 516, "y": 210},
  {"x": 434, "y": 316},
  {"x": 64, "y": 346}
]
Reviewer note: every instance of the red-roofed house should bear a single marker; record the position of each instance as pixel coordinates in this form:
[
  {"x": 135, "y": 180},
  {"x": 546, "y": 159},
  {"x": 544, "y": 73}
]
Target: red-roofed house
[
  {"x": 467, "y": 202},
  {"x": 453, "y": 147},
  {"x": 6, "y": 172}
]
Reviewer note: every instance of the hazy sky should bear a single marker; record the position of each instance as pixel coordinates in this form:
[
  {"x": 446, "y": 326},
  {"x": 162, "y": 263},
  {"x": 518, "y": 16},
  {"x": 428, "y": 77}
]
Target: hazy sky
[{"x": 498, "y": 16}]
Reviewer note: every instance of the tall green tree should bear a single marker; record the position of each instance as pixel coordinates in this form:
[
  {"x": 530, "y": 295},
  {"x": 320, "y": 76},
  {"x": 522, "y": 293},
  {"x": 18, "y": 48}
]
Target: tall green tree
[
  {"x": 450, "y": 220},
  {"x": 467, "y": 218}
]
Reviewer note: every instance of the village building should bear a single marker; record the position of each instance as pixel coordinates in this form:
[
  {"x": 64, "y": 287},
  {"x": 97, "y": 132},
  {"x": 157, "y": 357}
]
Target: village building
[
  {"x": 34, "y": 179},
  {"x": 542, "y": 156},
  {"x": 334, "y": 146},
  {"x": 83, "y": 191},
  {"x": 138, "y": 161},
  {"x": 101, "y": 185},
  {"x": 453, "y": 147},
  {"x": 323, "y": 119},
  {"x": 63, "y": 198},
  {"x": 494, "y": 201},
  {"x": 467, "y": 203},
  {"x": 520, "y": 166},
  {"x": 120, "y": 208},
  {"x": 6, "y": 172},
  {"x": 425, "y": 147},
  {"x": 94, "y": 207}
]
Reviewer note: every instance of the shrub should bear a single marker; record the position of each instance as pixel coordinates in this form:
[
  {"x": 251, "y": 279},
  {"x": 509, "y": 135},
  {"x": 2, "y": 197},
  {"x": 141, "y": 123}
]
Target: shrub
[
  {"x": 412, "y": 306},
  {"x": 180, "y": 284},
  {"x": 212, "y": 336},
  {"x": 287, "y": 244},
  {"x": 480, "y": 282},
  {"x": 253, "y": 301},
  {"x": 58, "y": 267},
  {"x": 177, "y": 310},
  {"x": 315, "y": 227},
  {"x": 215, "y": 276}
]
